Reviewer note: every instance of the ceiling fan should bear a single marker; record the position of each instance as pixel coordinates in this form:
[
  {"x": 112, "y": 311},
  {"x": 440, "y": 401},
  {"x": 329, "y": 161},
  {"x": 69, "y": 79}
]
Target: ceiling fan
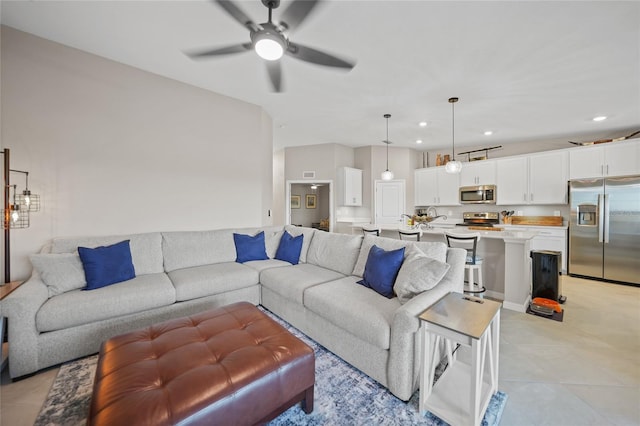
[{"x": 270, "y": 40}]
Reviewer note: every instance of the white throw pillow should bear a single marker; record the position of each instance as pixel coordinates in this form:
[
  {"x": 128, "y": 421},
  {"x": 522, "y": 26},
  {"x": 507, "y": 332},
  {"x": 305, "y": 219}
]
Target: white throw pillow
[
  {"x": 419, "y": 273},
  {"x": 60, "y": 272}
]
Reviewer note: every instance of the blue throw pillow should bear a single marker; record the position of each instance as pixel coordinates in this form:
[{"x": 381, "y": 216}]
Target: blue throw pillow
[
  {"x": 250, "y": 248},
  {"x": 381, "y": 270},
  {"x": 289, "y": 248},
  {"x": 107, "y": 265}
]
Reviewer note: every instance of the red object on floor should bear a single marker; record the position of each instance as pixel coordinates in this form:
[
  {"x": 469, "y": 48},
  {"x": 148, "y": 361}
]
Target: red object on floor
[{"x": 541, "y": 301}]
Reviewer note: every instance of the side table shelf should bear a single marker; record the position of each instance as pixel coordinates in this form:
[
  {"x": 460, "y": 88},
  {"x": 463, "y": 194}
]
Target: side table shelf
[
  {"x": 5, "y": 290},
  {"x": 462, "y": 393}
]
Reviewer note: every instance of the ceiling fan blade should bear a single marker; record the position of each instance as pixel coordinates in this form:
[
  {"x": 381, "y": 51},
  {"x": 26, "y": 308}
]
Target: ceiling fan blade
[
  {"x": 317, "y": 57},
  {"x": 297, "y": 12},
  {"x": 236, "y": 13},
  {"x": 236, "y": 48},
  {"x": 275, "y": 74}
]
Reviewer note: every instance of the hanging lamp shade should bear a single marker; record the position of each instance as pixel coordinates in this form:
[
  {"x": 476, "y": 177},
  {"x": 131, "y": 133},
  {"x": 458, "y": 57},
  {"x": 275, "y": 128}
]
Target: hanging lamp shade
[
  {"x": 453, "y": 166},
  {"x": 15, "y": 217},
  {"x": 387, "y": 174}
]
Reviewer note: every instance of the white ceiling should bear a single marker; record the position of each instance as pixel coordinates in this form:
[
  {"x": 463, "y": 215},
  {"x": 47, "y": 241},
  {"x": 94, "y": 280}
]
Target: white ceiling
[{"x": 529, "y": 71}]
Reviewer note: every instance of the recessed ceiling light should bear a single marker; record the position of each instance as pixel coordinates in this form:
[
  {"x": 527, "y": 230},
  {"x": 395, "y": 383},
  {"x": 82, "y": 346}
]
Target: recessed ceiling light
[
  {"x": 600, "y": 118},
  {"x": 488, "y": 132},
  {"x": 422, "y": 124},
  {"x": 419, "y": 141}
]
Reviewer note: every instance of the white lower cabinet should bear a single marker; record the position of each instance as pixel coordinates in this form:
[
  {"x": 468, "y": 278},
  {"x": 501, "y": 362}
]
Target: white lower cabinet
[
  {"x": 548, "y": 238},
  {"x": 435, "y": 187}
]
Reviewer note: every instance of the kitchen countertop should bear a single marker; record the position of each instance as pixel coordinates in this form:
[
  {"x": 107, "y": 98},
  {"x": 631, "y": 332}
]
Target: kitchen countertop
[{"x": 440, "y": 230}]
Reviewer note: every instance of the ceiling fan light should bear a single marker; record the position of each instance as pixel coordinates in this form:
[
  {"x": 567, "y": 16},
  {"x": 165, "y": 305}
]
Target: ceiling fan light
[
  {"x": 269, "y": 47},
  {"x": 387, "y": 175}
]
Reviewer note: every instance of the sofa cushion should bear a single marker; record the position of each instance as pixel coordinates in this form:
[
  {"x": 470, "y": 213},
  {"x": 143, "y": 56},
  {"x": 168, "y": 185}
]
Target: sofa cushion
[
  {"x": 306, "y": 241},
  {"x": 146, "y": 249},
  {"x": 250, "y": 247},
  {"x": 435, "y": 250},
  {"x": 208, "y": 280},
  {"x": 61, "y": 272},
  {"x": 334, "y": 251},
  {"x": 418, "y": 274},
  {"x": 291, "y": 282},
  {"x": 381, "y": 270},
  {"x": 261, "y": 265},
  {"x": 185, "y": 249},
  {"x": 289, "y": 248},
  {"x": 357, "y": 309},
  {"x": 106, "y": 265},
  {"x": 79, "y": 307}
]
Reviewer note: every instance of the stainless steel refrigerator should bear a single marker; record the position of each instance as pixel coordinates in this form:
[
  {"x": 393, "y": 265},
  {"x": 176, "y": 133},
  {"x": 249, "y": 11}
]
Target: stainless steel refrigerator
[{"x": 604, "y": 228}]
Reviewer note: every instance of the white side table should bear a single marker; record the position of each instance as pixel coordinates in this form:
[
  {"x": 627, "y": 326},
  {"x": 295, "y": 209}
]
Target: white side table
[{"x": 461, "y": 395}]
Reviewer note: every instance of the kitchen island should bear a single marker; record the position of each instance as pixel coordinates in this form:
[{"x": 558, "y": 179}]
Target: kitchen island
[{"x": 506, "y": 261}]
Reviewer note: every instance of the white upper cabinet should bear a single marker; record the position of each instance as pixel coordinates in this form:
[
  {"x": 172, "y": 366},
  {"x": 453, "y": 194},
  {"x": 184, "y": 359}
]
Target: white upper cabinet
[
  {"x": 548, "y": 177},
  {"x": 435, "y": 187},
  {"x": 478, "y": 173},
  {"x": 534, "y": 179},
  {"x": 350, "y": 186},
  {"x": 610, "y": 159},
  {"x": 512, "y": 179}
]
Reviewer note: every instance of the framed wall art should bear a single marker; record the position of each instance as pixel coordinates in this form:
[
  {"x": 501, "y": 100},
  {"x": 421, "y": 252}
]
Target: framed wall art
[
  {"x": 295, "y": 201},
  {"x": 310, "y": 201}
]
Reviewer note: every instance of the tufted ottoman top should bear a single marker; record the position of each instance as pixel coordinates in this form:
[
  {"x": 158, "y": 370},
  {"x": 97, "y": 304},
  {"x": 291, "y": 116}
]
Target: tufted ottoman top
[{"x": 232, "y": 364}]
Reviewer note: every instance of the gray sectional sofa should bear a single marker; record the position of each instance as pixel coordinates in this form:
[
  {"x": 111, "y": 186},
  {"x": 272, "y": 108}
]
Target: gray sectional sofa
[{"x": 181, "y": 273}]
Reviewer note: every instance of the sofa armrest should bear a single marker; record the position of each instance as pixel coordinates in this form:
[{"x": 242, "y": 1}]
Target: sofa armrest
[
  {"x": 21, "y": 308},
  {"x": 404, "y": 354}
]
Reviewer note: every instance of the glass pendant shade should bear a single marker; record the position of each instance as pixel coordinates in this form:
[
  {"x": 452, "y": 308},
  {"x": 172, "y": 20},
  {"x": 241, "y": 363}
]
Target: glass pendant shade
[
  {"x": 387, "y": 175},
  {"x": 453, "y": 166}
]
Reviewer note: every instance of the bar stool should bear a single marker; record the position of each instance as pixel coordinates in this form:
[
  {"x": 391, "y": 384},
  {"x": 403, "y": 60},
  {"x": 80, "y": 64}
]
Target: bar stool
[
  {"x": 410, "y": 234},
  {"x": 369, "y": 228},
  {"x": 469, "y": 242}
]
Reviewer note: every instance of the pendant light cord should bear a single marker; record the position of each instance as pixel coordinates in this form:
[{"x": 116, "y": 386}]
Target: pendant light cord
[
  {"x": 453, "y": 130},
  {"x": 387, "y": 140},
  {"x": 387, "y": 143},
  {"x": 453, "y": 101}
]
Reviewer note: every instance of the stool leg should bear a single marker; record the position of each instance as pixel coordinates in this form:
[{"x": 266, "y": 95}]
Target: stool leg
[{"x": 480, "y": 285}]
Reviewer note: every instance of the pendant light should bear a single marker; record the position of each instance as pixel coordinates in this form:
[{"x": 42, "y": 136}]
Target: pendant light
[
  {"x": 387, "y": 174},
  {"x": 453, "y": 166}
]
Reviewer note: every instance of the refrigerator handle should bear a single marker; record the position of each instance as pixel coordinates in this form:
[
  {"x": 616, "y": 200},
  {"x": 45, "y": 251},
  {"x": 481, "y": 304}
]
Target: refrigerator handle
[
  {"x": 606, "y": 218},
  {"x": 600, "y": 218}
]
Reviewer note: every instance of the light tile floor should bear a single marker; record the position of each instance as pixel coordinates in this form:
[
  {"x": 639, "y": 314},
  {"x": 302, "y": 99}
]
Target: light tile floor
[{"x": 582, "y": 371}]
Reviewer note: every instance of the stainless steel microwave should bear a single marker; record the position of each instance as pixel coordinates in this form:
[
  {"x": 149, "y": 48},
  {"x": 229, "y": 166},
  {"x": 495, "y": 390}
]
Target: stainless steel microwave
[{"x": 479, "y": 194}]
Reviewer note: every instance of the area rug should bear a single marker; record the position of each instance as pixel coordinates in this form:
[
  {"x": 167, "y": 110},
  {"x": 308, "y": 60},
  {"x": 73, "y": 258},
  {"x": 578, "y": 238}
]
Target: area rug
[{"x": 343, "y": 395}]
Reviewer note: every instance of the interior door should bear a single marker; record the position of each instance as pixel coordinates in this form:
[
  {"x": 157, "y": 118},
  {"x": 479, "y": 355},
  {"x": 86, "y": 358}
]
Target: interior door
[{"x": 389, "y": 201}]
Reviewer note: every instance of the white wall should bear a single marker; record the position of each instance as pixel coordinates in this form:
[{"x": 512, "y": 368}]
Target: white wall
[{"x": 113, "y": 150}]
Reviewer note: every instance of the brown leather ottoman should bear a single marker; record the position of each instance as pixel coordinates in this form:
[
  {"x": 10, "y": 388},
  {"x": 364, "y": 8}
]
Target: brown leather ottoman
[{"x": 230, "y": 365}]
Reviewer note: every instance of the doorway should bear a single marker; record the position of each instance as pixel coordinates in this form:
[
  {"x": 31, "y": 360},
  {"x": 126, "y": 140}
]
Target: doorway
[
  {"x": 310, "y": 204},
  {"x": 390, "y": 201}
]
